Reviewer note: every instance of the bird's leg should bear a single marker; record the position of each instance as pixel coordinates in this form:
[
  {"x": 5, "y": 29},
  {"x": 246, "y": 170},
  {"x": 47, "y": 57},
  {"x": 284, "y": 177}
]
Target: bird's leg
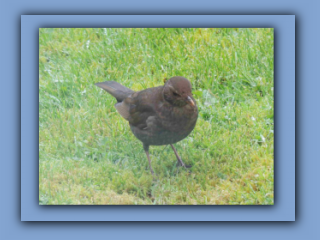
[
  {"x": 179, "y": 159},
  {"x": 146, "y": 149}
]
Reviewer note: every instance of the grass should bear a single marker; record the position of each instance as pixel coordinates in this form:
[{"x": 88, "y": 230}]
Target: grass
[{"x": 87, "y": 153}]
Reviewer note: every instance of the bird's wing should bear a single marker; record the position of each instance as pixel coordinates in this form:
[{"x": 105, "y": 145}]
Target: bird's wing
[{"x": 139, "y": 108}]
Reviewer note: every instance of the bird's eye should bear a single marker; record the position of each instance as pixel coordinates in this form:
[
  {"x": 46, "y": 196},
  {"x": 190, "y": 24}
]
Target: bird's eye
[{"x": 176, "y": 94}]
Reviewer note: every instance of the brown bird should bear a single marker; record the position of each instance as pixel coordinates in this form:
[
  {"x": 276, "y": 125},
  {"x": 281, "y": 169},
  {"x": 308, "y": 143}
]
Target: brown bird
[{"x": 159, "y": 115}]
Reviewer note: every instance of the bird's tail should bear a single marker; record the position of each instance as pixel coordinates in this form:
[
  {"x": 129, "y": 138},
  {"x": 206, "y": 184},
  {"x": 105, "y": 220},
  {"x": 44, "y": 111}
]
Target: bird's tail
[{"x": 115, "y": 89}]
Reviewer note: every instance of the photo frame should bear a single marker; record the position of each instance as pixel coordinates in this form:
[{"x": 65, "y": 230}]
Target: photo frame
[{"x": 284, "y": 208}]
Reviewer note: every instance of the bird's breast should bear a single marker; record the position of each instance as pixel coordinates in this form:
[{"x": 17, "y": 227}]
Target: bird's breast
[{"x": 178, "y": 120}]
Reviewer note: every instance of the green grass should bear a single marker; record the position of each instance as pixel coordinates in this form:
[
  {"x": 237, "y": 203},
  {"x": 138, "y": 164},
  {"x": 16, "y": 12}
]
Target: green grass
[{"x": 87, "y": 153}]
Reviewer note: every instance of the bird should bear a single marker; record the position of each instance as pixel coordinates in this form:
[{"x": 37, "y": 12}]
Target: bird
[{"x": 161, "y": 115}]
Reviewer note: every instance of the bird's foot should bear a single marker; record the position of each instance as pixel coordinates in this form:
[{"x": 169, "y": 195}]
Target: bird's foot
[{"x": 181, "y": 164}]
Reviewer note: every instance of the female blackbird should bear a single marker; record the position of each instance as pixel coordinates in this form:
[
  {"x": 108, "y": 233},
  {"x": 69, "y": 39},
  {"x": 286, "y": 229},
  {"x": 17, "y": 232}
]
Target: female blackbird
[{"x": 159, "y": 115}]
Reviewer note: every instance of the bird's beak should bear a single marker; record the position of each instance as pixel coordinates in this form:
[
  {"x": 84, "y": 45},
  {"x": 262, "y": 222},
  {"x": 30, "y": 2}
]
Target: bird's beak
[{"x": 189, "y": 99}]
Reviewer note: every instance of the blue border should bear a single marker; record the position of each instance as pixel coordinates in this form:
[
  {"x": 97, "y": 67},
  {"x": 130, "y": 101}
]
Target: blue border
[{"x": 284, "y": 208}]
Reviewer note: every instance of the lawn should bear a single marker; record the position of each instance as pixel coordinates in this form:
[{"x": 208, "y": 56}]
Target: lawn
[{"x": 87, "y": 153}]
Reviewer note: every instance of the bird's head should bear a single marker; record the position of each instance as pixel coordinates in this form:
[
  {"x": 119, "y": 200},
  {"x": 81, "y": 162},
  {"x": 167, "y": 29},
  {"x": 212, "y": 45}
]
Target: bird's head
[{"x": 177, "y": 91}]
